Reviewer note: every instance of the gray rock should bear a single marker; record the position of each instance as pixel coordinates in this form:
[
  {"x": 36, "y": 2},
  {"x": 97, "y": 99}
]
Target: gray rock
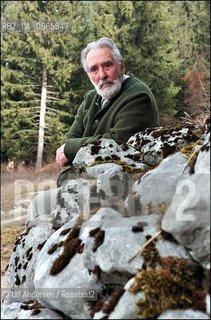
[
  {"x": 86, "y": 268},
  {"x": 107, "y": 150},
  {"x": 26, "y": 310},
  {"x": 20, "y": 272},
  {"x": 188, "y": 216},
  {"x": 155, "y": 144},
  {"x": 73, "y": 199},
  {"x": 208, "y": 298},
  {"x": 158, "y": 185},
  {"x": 61, "y": 268},
  {"x": 112, "y": 188},
  {"x": 183, "y": 314},
  {"x": 122, "y": 241},
  {"x": 126, "y": 307},
  {"x": 95, "y": 171},
  {"x": 202, "y": 164}
]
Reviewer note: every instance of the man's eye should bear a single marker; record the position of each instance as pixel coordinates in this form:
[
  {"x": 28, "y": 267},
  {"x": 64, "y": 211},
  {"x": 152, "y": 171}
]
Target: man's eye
[
  {"x": 93, "y": 70},
  {"x": 108, "y": 65}
]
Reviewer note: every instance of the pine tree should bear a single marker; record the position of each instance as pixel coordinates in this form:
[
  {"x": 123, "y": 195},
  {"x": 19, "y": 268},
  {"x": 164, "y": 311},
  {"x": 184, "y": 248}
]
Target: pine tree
[
  {"x": 22, "y": 69},
  {"x": 194, "y": 45},
  {"x": 161, "y": 42}
]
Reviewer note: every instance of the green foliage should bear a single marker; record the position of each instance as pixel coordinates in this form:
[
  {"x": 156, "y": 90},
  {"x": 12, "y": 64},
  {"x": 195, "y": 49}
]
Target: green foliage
[
  {"x": 159, "y": 40},
  {"x": 22, "y": 76}
]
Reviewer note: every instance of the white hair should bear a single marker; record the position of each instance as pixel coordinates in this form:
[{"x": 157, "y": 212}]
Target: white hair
[{"x": 101, "y": 43}]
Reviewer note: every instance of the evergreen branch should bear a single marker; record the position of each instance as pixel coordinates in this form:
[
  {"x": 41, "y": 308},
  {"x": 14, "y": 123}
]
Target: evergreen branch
[
  {"x": 54, "y": 92},
  {"x": 24, "y": 130},
  {"x": 12, "y": 102},
  {"x": 22, "y": 85},
  {"x": 48, "y": 108},
  {"x": 52, "y": 98}
]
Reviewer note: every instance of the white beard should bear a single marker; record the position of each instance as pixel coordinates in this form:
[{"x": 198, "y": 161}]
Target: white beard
[{"x": 110, "y": 92}]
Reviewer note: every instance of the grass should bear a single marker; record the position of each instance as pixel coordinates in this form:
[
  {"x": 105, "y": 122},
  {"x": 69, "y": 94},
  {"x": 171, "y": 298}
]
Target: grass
[
  {"x": 20, "y": 184},
  {"x": 8, "y": 235},
  {"x": 23, "y": 182}
]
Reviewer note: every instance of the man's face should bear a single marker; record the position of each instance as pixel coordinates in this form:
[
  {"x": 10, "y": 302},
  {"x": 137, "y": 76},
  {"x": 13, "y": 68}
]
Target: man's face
[{"x": 104, "y": 73}]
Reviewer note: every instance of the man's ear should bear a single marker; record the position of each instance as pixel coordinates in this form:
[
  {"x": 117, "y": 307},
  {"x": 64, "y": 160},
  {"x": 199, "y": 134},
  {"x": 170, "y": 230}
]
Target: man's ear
[{"x": 123, "y": 69}]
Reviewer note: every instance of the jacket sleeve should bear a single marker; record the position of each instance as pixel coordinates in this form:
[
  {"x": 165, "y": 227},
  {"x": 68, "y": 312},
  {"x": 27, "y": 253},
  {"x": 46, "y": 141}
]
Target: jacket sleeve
[
  {"x": 74, "y": 138},
  {"x": 136, "y": 115}
]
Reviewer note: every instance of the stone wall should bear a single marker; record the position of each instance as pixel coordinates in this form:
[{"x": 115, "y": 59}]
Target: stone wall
[{"x": 129, "y": 237}]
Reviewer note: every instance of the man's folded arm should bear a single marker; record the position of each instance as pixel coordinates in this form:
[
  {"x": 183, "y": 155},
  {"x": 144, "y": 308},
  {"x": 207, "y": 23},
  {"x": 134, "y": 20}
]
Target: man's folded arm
[{"x": 134, "y": 117}]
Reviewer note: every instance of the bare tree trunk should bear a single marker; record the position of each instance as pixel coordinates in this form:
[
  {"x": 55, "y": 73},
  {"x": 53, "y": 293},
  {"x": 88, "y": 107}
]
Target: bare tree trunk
[{"x": 42, "y": 121}]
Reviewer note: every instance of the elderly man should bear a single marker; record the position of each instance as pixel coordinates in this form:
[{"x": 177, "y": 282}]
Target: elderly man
[{"x": 118, "y": 107}]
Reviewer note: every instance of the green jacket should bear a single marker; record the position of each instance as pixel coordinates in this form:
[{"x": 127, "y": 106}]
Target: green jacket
[{"x": 132, "y": 110}]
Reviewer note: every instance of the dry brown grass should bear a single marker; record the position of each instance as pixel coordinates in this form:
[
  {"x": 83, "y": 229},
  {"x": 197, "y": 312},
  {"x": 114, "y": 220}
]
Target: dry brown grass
[
  {"x": 197, "y": 119},
  {"x": 168, "y": 120},
  {"x": 37, "y": 180},
  {"x": 8, "y": 235},
  {"x": 28, "y": 179},
  {"x": 30, "y": 172}
]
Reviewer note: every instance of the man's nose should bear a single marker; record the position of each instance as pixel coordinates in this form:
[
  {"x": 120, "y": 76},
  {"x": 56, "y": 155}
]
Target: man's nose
[{"x": 102, "y": 73}]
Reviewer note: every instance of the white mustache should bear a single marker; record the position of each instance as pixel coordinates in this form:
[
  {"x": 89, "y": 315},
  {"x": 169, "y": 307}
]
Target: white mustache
[{"x": 101, "y": 84}]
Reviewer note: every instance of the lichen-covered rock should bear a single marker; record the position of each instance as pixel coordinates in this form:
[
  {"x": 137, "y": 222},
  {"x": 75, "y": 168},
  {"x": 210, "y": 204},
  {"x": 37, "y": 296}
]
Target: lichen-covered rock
[
  {"x": 126, "y": 308},
  {"x": 27, "y": 310},
  {"x": 183, "y": 314},
  {"x": 201, "y": 163},
  {"x": 101, "y": 168},
  {"x": 112, "y": 188},
  {"x": 163, "y": 282},
  {"x": 73, "y": 199},
  {"x": 108, "y": 150},
  {"x": 118, "y": 264},
  {"x": 111, "y": 234},
  {"x": 155, "y": 144},
  {"x": 120, "y": 305},
  {"x": 20, "y": 272},
  {"x": 60, "y": 266},
  {"x": 174, "y": 284}
]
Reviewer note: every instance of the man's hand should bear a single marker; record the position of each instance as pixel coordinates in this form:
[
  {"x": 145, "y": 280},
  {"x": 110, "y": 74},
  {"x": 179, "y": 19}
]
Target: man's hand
[{"x": 61, "y": 159}]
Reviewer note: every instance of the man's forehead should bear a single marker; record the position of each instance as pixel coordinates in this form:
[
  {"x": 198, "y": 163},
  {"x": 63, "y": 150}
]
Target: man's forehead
[{"x": 99, "y": 55}]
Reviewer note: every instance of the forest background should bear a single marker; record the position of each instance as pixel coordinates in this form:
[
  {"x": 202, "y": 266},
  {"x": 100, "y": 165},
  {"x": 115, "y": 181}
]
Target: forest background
[{"x": 164, "y": 43}]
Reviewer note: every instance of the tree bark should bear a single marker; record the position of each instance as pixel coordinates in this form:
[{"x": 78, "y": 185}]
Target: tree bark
[{"x": 42, "y": 121}]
